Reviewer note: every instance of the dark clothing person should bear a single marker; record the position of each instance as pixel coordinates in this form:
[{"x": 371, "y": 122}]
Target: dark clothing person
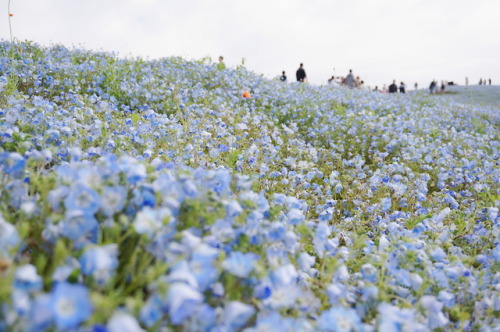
[
  {"x": 432, "y": 87},
  {"x": 393, "y": 88},
  {"x": 301, "y": 74},
  {"x": 283, "y": 78},
  {"x": 402, "y": 88}
]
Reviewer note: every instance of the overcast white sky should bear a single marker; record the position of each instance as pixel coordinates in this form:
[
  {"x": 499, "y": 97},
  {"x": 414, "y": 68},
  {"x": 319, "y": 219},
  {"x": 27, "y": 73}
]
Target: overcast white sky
[{"x": 381, "y": 40}]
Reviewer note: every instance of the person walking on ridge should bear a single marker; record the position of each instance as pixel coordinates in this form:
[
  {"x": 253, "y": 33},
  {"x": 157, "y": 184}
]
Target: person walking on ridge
[
  {"x": 283, "y": 76},
  {"x": 301, "y": 74},
  {"x": 350, "y": 81},
  {"x": 393, "y": 88},
  {"x": 221, "y": 65},
  {"x": 402, "y": 88}
]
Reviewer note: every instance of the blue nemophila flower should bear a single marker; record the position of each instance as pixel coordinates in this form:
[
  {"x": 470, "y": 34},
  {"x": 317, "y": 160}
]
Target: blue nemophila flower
[
  {"x": 386, "y": 204},
  {"x": 394, "y": 319},
  {"x": 435, "y": 317},
  {"x": 149, "y": 220},
  {"x": 27, "y": 279},
  {"x": 306, "y": 261},
  {"x": 152, "y": 311},
  {"x": 77, "y": 224},
  {"x": 82, "y": 198},
  {"x": 70, "y": 305},
  {"x": 339, "y": 319},
  {"x": 123, "y": 322},
  {"x": 41, "y": 316},
  {"x": 233, "y": 209},
  {"x": 369, "y": 272},
  {"x": 9, "y": 236},
  {"x": 182, "y": 302},
  {"x": 100, "y": 262},
  {"x": 240, "y": 264},
  {"x": 236, "y": 315},
  {"x": 12, "y": 164},
  {"x": 113, "y": 200},
  {"x": 295, "y": 216}
]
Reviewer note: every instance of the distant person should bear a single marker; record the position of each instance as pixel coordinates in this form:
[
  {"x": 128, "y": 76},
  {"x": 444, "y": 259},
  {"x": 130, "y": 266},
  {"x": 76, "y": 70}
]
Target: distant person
[
  {"x": 376, "y": 89},
  {"x": 480, "y": 81},
  {"x": 301, "y": 74},
  {"x": 466, "y": 81},
  {"x": 384, "y": 89},
  {"x": 221, "y": 65},
  {"x": 489, "y": 81},
  {"x": 349, "y": 80},
  {"x": 331, "y": 80},
  {"x": 283, "y": 76},
  {"x": 432, "y": 86},
  {"x": 393, "y": 88},
  {"x": 402, "y": 88},
  {"x": 358, "y": 81},
  {"x": 416, "y": 86},
  {"x": 442, "y": 86}
]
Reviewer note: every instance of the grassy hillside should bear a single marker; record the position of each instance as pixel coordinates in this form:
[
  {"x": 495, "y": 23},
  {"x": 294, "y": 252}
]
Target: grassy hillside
[{"x": 152, "y": 194}]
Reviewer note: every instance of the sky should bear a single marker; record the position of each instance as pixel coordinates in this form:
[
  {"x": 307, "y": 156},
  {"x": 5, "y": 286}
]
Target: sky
[{"x": 380, "y": 40}]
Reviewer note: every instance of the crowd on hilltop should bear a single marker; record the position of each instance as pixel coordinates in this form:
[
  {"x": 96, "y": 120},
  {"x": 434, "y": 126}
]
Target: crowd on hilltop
[{"x": 352, "y": 81}]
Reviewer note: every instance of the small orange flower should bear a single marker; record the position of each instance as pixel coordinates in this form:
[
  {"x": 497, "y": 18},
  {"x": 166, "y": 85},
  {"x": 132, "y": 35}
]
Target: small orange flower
[
  {"x": 11, "y": 15},
  {"x": 246, "y": 94}
]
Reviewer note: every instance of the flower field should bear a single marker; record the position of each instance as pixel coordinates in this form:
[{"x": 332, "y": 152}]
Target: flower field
[{"x": 150, "y": 195}]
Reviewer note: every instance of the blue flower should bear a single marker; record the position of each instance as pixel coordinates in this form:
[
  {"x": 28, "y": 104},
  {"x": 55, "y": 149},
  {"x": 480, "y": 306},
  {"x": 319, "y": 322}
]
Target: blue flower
[
  {"x": 41, "y": 315},
  {"x": 100, "y": 262},
  {"x": 236, "y": 315},
  {"x": 149, "y": 220},
  {"x": 435, "y": 318},
  {"x": 9, "y": 237},
  {"x": 82, "y": 198},
  {"x": 123, "y": 322},
  {"x": 339, "y": 319},
  {"x": 151, "y": 312},
  {"x": 369, "y": 272},
  {"x": 77, "y": 223},
  {"x": 182, "y": 302},
  {"x": 240, "y": 264},
  {"x": 113, "y": 199},
  {"x": 70, "y": 305},
  {"x": 13, "y": 164},
  {"x": 295, "y": 216},
  {"x": 27, "y": 279}
]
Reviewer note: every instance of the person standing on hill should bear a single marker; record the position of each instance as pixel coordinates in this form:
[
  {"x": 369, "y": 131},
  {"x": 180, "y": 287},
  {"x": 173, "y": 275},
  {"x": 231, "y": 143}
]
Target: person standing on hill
[
  {"x": 432, "y": 87},
  {"x": 402, "y": 88},
  {"x": 393, "y": 88},
  {"x": 489, "y": 81},
  {"x": 283, "y": 76},
  {"x": 350, "y": 81},
  {"x": 301, "y": 74},
  {"x": 221, "y": 65}
]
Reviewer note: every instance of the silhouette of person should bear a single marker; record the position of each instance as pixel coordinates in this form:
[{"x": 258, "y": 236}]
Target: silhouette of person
[
  {"x": 480, "y": 81},
  {"x": 466, "y": 81},
  {"x": 402, "y": 88},
  {"x": 350, "y": 81},
  {"x": 432, "y": 86},
  {"x": 489, "y": 81},
  {"x": 283, "y": 76},
  {"x": 221, "y": 65},
  {"x": 416, "y": 86},
  {"x": 393, "y": 88},
  {"x": 301, "y": 74}
]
